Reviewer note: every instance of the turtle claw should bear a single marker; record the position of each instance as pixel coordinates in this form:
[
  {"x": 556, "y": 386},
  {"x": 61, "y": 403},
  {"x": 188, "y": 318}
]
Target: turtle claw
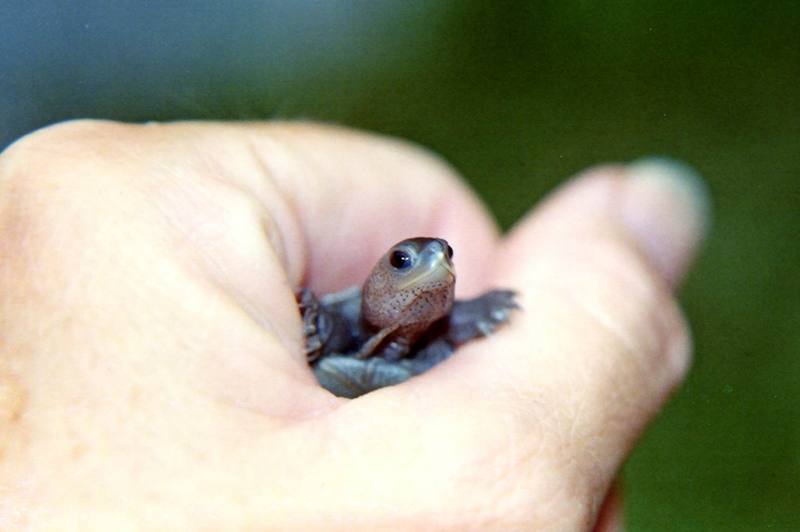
[
  {"x": 484, "y": 327},
  {"x": 309, "y": 307}
]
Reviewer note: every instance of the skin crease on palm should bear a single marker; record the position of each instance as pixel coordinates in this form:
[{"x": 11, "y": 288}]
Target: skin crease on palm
[{"x": 151, "y": 359}]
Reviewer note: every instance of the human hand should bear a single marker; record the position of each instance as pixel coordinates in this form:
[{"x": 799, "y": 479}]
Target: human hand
[{"x": 151, "y": 359}]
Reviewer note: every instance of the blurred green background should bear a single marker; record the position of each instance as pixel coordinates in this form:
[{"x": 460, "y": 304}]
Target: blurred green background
[{"x": 518, "y": 96}]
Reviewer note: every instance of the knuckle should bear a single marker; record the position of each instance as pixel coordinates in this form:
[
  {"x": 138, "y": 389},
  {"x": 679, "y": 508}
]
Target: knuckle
[
  {"x": 59, "y": 154},
  {"x": 628, "y": 333},
  {"x": 58, "y": 191},
  {"x": 634, "y": 342},
  {"x": 637, "y": 306},
  {"x": 620, "y": 294},
  {"x": 63, "y": 137}
]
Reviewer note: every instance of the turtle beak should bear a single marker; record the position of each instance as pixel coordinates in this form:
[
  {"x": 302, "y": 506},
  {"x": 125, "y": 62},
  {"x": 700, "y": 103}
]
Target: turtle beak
[
  {"x": 447, "y": 262},
  {"x": 434, "y": 265}
]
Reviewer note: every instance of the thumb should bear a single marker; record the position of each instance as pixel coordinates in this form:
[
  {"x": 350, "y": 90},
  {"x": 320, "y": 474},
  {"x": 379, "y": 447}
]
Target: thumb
[{"x": 601, "y": 342}]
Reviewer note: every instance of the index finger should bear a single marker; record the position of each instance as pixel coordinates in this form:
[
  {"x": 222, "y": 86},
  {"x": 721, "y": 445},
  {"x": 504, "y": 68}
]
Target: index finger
[{"x": 348, "y": 196}]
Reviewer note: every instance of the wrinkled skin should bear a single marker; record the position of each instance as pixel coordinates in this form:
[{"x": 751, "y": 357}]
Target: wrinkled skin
[{"x": 401, "y": 323}]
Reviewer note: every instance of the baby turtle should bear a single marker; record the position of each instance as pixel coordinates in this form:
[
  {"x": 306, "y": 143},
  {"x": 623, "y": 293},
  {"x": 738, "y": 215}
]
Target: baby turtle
[{"x": 402, "y": 322}]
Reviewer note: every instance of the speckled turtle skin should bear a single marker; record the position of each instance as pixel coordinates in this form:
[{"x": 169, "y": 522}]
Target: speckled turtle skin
[{"x": 402, "y": 322}]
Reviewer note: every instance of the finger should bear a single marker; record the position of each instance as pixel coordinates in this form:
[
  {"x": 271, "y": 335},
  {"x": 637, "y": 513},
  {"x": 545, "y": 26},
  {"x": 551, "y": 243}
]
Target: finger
[
  {"x": 605, "y": 340},
  {"x": 600, "y": 342}
]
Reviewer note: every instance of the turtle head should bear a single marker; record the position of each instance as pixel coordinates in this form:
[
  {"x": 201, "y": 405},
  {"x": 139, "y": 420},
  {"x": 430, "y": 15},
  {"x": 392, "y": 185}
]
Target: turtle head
[{"x": 411, "y": 286}]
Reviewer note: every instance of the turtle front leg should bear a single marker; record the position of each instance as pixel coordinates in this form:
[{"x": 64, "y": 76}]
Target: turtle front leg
[
  {"x": 480, "y": 316},
  {"x": 371, "y": 345}
]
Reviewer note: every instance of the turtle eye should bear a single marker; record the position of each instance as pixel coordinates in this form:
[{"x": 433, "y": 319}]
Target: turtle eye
[
  {"x": 400, "y": 259},
  {"x": 449, "y": 252}
]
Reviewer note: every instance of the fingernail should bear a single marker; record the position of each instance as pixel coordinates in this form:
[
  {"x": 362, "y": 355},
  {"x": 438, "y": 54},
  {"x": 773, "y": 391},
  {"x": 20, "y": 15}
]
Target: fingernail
[{"x": 666, "y": 208}]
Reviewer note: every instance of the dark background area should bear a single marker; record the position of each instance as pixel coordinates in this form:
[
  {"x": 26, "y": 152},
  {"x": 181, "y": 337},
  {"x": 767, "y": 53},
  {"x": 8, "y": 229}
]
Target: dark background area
[{"x": 518, "y": 96}]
